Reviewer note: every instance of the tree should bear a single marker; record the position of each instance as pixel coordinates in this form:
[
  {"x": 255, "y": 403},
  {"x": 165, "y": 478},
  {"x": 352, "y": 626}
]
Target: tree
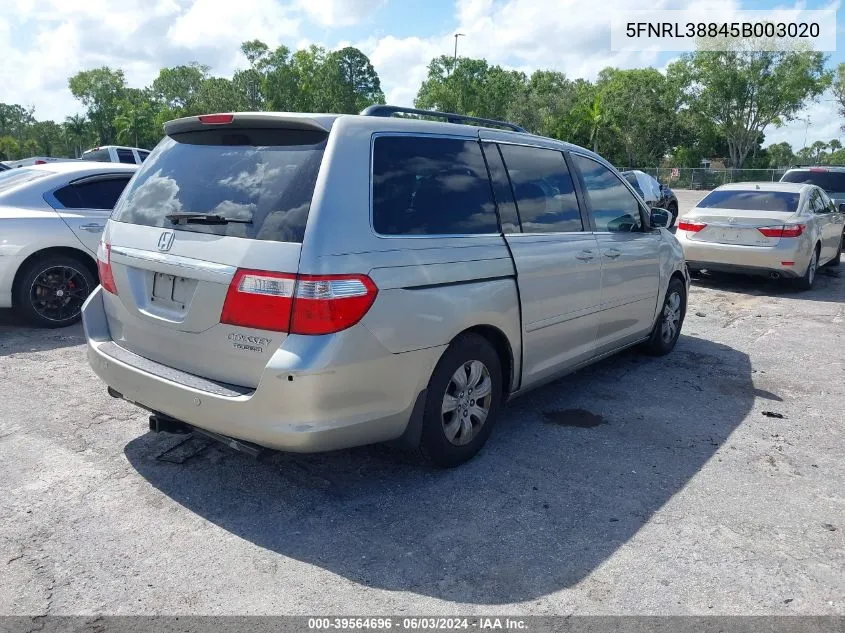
[
  {"x": 742, "y": 91},
  {"x": 839, "y": 89},
  {"x": 133, "y": 122},
  {"x": 9, "y": 148},
  {"x": 177, "y": 88},
  {"x": 50, "y": 138},
  {"x": 76, "y": 132},
  {"x": 29, "y": 148},
  {"x": 100, "y": 90},
  {"x": 352, "y": 82},
  {"x": 470, "y": 86},
  {"x": 780, "y": 155},
  {"x": 15, "y": 121}
]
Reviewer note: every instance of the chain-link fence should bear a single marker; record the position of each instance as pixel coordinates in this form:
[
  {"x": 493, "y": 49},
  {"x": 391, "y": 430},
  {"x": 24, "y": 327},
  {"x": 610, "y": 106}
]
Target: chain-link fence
[{"x": 700, "y": 178}]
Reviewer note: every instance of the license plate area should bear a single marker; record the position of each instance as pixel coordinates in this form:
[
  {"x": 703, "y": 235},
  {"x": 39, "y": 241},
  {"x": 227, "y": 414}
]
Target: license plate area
[{"x": 171, "y": 291}]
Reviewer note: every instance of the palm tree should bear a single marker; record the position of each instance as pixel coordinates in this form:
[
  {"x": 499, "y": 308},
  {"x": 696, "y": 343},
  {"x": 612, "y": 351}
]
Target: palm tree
[
  {"x": 76, "y": 128},
  {"x": 131, "y": 122}
]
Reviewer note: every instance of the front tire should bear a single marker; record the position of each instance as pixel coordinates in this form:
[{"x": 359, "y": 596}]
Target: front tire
[
  {"x": 666, "y": 331},
  {"x": 51, "y": 290},
  {"x": 462, "y": 403}
]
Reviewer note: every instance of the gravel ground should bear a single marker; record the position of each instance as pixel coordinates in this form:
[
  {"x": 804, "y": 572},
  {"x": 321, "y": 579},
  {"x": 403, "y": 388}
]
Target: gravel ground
[{"x": 706, "y": 482}]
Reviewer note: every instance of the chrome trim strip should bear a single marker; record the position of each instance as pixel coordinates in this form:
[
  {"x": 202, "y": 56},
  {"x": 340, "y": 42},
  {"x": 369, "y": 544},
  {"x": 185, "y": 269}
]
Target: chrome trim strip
[{"x": 174, "y": 260}]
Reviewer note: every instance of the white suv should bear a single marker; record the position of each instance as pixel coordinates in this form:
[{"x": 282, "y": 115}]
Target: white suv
[{"x": 116, "y": 154}]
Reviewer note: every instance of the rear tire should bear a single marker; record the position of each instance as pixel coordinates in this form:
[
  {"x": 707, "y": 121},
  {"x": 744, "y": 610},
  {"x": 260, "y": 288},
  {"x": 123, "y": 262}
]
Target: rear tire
[
  {"x": 456, "y": 421},
  {"x": 833, "y": 263},
  {"x": 667, "y": 329},
  {"x": 51, "y": 289},
  {"x": 806, "y": 282}
]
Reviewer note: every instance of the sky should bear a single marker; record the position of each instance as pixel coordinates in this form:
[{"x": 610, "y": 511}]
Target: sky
[{"x": 43, "y": 42}]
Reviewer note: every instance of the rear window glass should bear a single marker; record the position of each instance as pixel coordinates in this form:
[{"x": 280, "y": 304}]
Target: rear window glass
[
  {"x": 431, "y": 186},
  {"x": 99, "y": 155},
  {"x": 93, "y": 194},
  {"x": 830, "y": 181},
  {"x": 11, "y": 178},
  {"x": 784, "y": 201},
  {"x": 264, "y": 176}
]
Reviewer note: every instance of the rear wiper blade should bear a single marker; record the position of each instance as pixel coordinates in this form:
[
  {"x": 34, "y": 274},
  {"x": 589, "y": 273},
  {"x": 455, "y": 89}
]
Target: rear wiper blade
[{"x": 203, "y": 218}]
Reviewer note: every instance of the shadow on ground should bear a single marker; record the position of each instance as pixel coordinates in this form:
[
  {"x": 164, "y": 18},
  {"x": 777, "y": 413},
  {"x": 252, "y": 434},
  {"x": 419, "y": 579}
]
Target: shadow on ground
[
  {"x": 571, "y": 473},
  {"x": 16, "y": 337},
  {"x": 829, "y": 285}
]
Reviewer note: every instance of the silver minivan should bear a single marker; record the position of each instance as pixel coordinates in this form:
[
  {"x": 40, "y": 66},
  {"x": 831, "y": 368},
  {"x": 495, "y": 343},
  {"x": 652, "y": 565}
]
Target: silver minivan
[{"x": 311, "y": 282}]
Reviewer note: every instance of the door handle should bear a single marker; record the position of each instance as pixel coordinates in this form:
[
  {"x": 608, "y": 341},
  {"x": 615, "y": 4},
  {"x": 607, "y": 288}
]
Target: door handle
[
  {"x": 612, "y": 253},
  {"x": 93, "y": 228},
  {"x": 585, "y": 256}
]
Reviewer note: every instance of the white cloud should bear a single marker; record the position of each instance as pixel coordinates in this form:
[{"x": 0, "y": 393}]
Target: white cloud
[{"x": 335, "y": 13}]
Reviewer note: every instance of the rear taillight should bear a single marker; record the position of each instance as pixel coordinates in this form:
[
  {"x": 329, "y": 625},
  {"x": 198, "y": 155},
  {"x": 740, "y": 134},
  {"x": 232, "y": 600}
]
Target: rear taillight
[
  {"x": 259, "y": 299},
  {"x": 104, "y": 268},
  {"x": 327, "y": 304},
  {"x": 216, "y": 119},
  {"x": 787, "y": 230},
  {"x": 40, "y": 162},
  {"x": 692, "y": 227},
  {"x": 303, "y": 304}
]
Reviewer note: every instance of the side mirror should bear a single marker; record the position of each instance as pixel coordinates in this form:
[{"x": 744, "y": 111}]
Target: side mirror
[{"x": 660, "y": 218}]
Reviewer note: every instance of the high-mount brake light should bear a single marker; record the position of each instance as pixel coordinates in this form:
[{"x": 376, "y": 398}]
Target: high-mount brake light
[{"x": 216, "y": 119}]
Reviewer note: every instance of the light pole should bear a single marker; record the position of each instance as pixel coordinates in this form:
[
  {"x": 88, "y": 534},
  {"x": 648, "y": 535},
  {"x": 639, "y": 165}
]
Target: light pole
[
  {"x": 457, "y": 35},
  {"x": 806, "y": 127}
]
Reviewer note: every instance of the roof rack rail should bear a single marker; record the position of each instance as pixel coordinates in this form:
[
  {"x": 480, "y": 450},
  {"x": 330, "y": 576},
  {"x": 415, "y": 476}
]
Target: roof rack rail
[{"x": 451, "y": 117}]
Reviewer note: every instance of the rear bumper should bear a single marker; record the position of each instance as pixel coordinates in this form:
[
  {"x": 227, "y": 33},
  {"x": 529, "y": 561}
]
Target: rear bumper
[
  {"x": 759, "y": 260},
  {"x": 365, "y": 395}
]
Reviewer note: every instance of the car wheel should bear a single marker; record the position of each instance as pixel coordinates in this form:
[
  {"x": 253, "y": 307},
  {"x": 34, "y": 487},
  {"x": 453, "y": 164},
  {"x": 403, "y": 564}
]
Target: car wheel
[
  {"x": 463, "y": 399},
  {"x": 666, "y": 331},
  {"x": 51, "y": 290},
  {"x": 673, "y": 209},
  {"x": 833, "y": 263},
  {"x": 806, "y": 282}
]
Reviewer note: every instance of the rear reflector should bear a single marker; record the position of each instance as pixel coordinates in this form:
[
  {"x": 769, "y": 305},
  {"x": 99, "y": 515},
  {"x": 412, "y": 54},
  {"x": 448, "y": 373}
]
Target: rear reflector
[
  {"x": 303, "y": 304},
  {"x": 692, "y": 227},
  {"x": 787, "y": 230},
  {"x": 104, "y": 268},
  {"x": 216, "y": 119}
]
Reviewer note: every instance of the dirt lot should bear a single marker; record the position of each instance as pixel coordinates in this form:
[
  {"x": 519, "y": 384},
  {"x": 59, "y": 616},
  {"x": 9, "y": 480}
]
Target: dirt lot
[{"x": 708, "y": 482}]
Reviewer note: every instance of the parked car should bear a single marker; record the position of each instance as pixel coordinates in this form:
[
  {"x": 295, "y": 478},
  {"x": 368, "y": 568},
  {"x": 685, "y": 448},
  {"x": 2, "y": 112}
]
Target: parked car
[
  {"x": 51, "y": 219},
  {"x": 4, "y": 167},
  {"x": 828, "y": 177},
  {"x": 655, "y": 193},
  {"x": 36, "y": 160},
  {"x": 311, "y": 282},
  {"x": 116, "y": 154},
  {"x": 774, "y": 229}
]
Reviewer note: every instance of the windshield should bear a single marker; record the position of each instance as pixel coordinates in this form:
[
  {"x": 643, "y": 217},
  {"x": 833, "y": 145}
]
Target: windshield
[
  {"x": 11, "y": 178},
  {"x": 830, "y": 181},
  {"x": 779, "y": 201},
  {"x": 266, "y": 177}
]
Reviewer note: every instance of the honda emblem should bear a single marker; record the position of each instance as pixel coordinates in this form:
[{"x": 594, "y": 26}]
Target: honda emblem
[{"x": 165, "y": 240}]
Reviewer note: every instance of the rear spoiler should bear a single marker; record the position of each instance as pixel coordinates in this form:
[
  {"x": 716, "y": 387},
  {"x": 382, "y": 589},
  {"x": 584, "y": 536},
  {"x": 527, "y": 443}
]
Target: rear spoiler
[{"x": 251, "y": 120}]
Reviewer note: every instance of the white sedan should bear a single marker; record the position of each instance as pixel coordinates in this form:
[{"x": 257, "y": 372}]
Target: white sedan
[{"x": 51, "y": 218}]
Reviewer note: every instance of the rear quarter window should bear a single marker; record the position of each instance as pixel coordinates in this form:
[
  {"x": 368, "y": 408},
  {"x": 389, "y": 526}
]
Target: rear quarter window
[
  {"x": 266, "y": 176},
  {"x": 431, "y": 186}
]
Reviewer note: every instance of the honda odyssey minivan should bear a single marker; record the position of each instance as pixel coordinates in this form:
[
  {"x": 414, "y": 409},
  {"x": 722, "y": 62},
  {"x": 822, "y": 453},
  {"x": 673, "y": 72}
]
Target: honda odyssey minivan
[{"x": 309, "y": 282}]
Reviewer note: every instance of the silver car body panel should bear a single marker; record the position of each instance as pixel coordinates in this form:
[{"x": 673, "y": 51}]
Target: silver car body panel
[{"x": 535, "y": 292}]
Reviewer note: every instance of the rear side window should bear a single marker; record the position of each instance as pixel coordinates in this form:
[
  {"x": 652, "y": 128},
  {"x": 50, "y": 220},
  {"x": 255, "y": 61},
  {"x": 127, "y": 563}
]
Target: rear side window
[
  {"x": 99, "y": 155},
  {"x": 783, "y": 201},
  {"x": 831, "y": 181},
  {"x": 612, "y": 205},
  {"x": 266, "y": 176},
  {"x": 125, "y": 156},
  {"x": 542, "y": 186},
  {"x": 92, "y": 194},
  {"x": 431, "y": 186},
  {"x": 143, "y": 155}
]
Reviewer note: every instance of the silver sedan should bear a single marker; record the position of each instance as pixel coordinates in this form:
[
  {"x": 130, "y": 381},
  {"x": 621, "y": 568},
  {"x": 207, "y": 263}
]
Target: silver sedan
[
  {"x": 51, "y": 220},
  {"x": 775, "y": 229}
]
